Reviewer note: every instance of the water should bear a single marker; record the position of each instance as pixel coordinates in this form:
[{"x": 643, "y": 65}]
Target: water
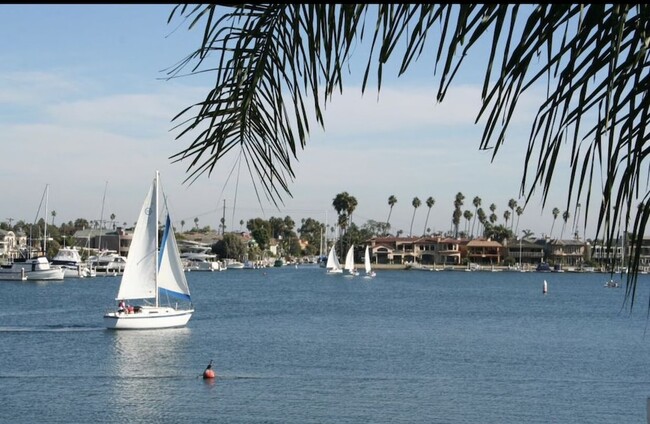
[{"x": 298, "y": 346}]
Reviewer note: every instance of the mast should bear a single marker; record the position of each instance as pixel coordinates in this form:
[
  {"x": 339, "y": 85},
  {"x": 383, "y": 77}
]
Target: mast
[
  {"x": 45, "y": 221},
  {"x": 157, "y": 247}
]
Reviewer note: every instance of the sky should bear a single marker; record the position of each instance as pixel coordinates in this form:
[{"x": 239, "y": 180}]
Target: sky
[{"x": 86, "y": 111}]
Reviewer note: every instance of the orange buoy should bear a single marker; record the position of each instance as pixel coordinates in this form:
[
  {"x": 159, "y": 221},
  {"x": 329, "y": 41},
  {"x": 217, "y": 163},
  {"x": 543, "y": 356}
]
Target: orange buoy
[{"x": 209, "y": 372}]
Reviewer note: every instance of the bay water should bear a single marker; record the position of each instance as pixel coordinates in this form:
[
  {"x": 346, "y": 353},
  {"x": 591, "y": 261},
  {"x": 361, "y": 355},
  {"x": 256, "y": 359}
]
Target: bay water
[{"x": 294, "y": 345}]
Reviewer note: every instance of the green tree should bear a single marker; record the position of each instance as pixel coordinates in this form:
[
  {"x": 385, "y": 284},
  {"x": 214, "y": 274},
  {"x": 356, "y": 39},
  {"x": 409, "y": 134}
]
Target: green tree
[
  {"x": 592, "y": 60},
  {"x": 311, "y": 231},
  {"x": 260, "y": 230},
  {"x": 231, "y": 246}
]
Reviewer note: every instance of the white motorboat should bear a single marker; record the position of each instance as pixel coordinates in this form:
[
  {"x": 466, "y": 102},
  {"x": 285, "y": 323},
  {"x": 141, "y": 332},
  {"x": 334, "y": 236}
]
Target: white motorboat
[
  {"x": 30, "y": 269},
  {"x": 201, "y": 262},
  {"x": 69, "y": 259},
  {"x": 108, "y": 263}
]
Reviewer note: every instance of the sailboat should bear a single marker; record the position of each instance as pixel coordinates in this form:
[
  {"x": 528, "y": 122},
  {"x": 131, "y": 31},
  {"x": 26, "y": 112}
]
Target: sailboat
[
  {"x": 349, "y": 262},
  {"x": 333, "y": 266},
  {"x": 153, "y": 274},
  {"x": 28, "y": 267},
  {"x": 366, "y": 261}
]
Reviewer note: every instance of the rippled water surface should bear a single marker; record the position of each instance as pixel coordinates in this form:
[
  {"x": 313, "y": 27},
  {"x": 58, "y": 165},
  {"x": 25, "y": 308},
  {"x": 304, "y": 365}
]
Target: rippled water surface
[{"x": 298, "y": 346}]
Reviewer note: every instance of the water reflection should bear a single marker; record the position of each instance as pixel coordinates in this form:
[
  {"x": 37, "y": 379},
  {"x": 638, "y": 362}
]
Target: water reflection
[{"x": 145, "y": 364}]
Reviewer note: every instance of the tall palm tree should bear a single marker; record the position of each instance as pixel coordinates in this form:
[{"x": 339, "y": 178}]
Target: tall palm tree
[
  {"x": 53, "y": 213},
  {"x": 493, "y": 214},
  {"x": 506, "y": 217},
  {"x": 182, "y": 225},
  {"x": 518, "y": 210},
  {"x": 430, "y": 202},
  {"x": 565, "y": 218},
  {"x": 468, "y": 216},
  {"x": 458, "y": 204},
  {"x": 391, "y": 202},
  {"x": 512, "y": 204},
  {"x": 416, "y": 204},
  {"x": 256, "y": 54},
  {"x": 482, "y": 219},
  {"x": 556, "y": 213},
  {"x": 477, "y": 204},
  {"x": 196, "y": 223}
]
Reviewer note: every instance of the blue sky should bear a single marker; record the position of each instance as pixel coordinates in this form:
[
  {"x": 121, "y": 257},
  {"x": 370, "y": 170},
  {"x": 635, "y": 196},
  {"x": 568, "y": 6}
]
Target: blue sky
[{"x": 84, "y": 106}]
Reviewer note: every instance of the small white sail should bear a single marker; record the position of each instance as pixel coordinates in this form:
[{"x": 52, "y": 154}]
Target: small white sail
[
  {"x": 333, "y": 265},
  {"x": 349, "y": 261},
  {"x": 367, "y": 264},
  {"x": 366, "y": 261}
]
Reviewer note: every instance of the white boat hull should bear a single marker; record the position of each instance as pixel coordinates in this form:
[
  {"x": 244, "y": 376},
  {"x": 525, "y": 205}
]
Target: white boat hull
[
  {"x": 37, "y": 269},
  {"x": 148, "y": 317}
]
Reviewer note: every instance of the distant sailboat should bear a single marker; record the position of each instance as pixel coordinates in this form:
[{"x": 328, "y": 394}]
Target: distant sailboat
[
  {"x": 333, "y": 266},
  {"x": 29, "y": 267},
  {"x": 366, "y": 262},
  {"x": 349, "y": 262},
  {"x": 152, "y": 274}
]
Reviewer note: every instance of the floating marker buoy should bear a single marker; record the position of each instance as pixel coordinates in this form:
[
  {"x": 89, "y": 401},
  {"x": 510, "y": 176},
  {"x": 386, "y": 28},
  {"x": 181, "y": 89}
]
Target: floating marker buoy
[
  {"x": 544, "y": 287},
  {"x": 209, "y": 372}
]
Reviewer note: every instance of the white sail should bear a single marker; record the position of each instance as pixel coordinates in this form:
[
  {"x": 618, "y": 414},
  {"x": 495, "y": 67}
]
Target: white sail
[
  {"x": 349, "y": 260},
  {"x": 171, "y": 277},
  {"x": 333, "y": 264},
  {"x": 366, "y": 261},
  {"x": 139, "y": 279}
]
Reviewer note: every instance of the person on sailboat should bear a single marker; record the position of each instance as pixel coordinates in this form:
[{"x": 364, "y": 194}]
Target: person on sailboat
[{"x": 121, "y": 307}]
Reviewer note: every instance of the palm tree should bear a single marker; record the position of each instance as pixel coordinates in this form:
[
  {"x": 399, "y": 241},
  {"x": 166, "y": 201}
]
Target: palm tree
[
  {"x": 506, "y": 217},
  {"x": 196, "y": 223},
  {"x": 391, "y": 202},
  {"x": 512, "y": 204},
  {"x": 565, "y": 218},
  {"x": 477, "y": 204},
  {"x": 113, "y": 220},
  {"x": 256, "y": 54},
  {"x": 53, "y": 213},
  {"x": 482, "y": 219},
  {"x": 416, "y": 204},
  {"x": 468, "y": 216},
  {"x": 518, "y": 210},
  {"x": 458, "y": 203},
  {"x": 493, "y": 215},
  {"x": 430, "y": 202},
  {"x": 182, "y": 225},
  {"x": 556, "y": 213}
]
